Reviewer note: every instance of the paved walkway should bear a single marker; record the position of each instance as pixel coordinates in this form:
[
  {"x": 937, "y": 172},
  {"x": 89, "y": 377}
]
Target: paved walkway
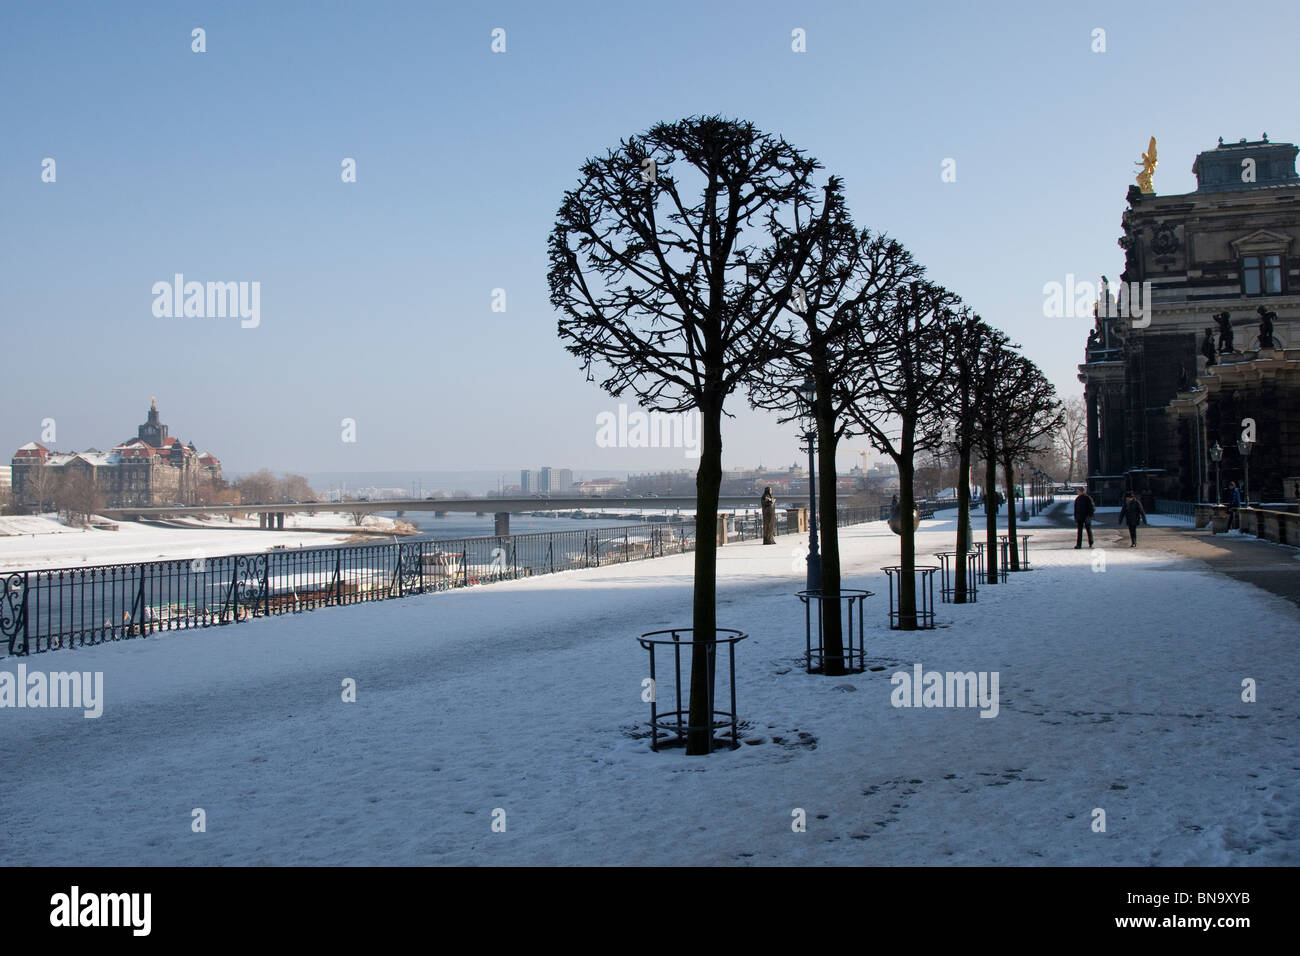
[{"x": 1273, "y": 567}]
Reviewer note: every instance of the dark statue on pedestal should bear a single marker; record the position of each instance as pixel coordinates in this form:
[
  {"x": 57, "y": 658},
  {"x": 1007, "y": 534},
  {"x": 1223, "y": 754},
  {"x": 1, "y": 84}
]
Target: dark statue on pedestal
[
  {"x": 1266, "y": 328},
  {"x": 1224, "y": 321},
  {"x": 1207, "y": 348}
]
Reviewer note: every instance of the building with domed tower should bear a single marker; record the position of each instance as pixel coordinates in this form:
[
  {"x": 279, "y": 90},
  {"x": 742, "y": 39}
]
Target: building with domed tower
[{"x": 151, "y": 469}]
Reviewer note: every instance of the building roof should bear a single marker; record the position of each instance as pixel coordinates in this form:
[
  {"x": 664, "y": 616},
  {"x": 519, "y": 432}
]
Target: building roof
[
  {"x": 98, "y": 459},
  {"x": 1246, "y": 164}
]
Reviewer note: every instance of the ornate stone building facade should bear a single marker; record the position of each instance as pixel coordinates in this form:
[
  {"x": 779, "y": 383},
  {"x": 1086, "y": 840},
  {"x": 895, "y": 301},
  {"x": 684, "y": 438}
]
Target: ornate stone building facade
[
  {"x": 1216, "y": 343},
  {"x": 151, "y": 469}
]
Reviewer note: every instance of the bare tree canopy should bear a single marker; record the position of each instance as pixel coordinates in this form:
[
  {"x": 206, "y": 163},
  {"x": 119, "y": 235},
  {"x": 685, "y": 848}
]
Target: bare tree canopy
[{"x": 662, "y": 260}]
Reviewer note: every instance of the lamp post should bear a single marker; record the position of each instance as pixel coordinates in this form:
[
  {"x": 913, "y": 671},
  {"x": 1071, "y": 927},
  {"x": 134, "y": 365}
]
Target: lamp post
[
  {"x": 1216, "y": 456},
  {"x": 806, "y": 397},
  {"x": 1244, "y": 447},
  {"x": 1024, "y": 505}
]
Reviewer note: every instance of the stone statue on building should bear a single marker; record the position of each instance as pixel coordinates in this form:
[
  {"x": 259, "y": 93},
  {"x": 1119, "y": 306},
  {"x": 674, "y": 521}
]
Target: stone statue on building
[
  {"x": 1266, "y": 328},
  {"x": 1094, "y": 343},
  {"x": 1207, "y": 348},
  {"x": 1224, "y": 321},
  {"x": 1183, "y": 383}
]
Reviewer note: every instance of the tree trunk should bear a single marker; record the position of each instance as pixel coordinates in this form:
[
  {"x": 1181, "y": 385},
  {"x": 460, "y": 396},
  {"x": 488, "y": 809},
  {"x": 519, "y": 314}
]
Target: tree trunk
[
  {"x": 963, "y": 525},
  {"x": 1013, "y": 560},
  {"x": 708, "y": 481},
  {"x": 832, "y": 638},
  {"x": 991, "y": 516},
  {"x": 906, "y": 537}
]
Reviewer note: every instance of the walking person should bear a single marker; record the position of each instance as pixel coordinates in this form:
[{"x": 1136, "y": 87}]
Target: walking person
[
  {"x": 1084, "y": 509},
  {"x": 1234, "y": 503},
  {"x": 1130, "y": 513},
  {"x": 769, "y": 516}
]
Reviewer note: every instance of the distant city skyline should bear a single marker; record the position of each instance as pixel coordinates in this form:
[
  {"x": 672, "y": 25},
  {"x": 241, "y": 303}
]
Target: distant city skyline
[{"x": 402, "y": 320}]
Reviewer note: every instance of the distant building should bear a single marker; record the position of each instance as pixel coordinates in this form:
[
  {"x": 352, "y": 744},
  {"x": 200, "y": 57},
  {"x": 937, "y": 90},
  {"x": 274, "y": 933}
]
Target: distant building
[
  {"x": 1222, "y": 259},
  {"x": 151, "y": 469},
  {"x": 547, "y": 481},
  {"x": 6, "y": 476}
]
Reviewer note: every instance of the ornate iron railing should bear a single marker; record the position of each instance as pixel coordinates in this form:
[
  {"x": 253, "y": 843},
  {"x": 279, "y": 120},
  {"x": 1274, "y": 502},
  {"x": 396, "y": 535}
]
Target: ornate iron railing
[{"x": 44, "y": 610}]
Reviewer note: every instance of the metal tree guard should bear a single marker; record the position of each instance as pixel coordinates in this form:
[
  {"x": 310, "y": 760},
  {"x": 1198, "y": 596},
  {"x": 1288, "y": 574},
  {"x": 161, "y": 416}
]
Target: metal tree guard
[{"x": 675, "y": 723}]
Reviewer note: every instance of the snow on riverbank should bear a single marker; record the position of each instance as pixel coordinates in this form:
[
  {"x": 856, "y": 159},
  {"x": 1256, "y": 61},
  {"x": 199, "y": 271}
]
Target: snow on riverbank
[
  {"x": 40, "y": 541},
  {"x": 1118, "y": 691}
]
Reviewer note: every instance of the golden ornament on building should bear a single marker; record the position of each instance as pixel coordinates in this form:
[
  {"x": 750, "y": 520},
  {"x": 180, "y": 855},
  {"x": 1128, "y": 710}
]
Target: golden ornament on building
[{"x": 1148, "y": 164}]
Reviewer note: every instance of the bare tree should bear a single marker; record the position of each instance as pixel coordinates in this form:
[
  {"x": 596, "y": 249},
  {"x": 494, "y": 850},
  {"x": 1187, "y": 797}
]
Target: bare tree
[
  {"x": 847, "y": 274},
  {"x": 1027, "y": 419},
  {"x": 1072, "y": 436},
  {"x": 77, "y": 497},
  {"x": 261, "y": 486},
  {"x": 42, "y": 482},
  {"x": 974, "y": 346},
  {"x": 663, "y": 271},
  {"x": 294, "y": 488},
  {"x": 901, "y": 352}
]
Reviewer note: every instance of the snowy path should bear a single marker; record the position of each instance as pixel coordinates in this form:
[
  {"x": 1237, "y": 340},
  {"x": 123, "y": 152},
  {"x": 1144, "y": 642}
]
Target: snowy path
[{"x": 519, "y": 696}]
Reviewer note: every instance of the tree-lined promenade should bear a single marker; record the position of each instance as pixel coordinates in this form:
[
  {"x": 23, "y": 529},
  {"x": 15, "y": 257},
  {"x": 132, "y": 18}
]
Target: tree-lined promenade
[{"x": 706, "y": 257}]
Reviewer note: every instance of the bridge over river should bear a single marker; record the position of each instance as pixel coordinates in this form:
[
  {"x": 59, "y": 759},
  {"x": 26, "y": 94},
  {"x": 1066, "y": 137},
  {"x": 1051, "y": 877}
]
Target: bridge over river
[{"x": 272, "y": 515}]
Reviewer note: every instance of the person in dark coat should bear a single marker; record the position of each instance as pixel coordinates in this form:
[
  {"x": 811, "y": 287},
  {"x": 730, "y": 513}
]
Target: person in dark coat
[
  {"x": 1084, "y": 509},
  {"x": 769, "y": 516},
  {"x": 1234, "y": 502},
  {"x": 1130, "y": 513}
]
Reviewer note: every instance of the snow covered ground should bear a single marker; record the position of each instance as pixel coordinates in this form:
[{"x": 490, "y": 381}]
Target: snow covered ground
[
  {"x": 1120, "y": 690},
  {"x": 40, "y": 541}
]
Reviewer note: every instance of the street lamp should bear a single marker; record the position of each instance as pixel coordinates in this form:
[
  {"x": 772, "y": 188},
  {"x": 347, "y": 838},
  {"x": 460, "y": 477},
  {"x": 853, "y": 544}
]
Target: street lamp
[
  {"x": 1024, "y": 505},
  {"x": 1244, "y": 447},
  {"x": 806, "y": 397},
  {"x": 1216, "y": 456}
]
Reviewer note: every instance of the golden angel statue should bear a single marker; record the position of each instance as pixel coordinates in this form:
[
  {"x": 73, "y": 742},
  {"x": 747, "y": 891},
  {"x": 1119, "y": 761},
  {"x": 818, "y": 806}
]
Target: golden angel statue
[{"x": 1148, "y": 163}]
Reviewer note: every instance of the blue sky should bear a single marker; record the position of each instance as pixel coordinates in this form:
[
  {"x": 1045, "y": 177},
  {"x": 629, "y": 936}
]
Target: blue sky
[{"x": 376, "y": 295}]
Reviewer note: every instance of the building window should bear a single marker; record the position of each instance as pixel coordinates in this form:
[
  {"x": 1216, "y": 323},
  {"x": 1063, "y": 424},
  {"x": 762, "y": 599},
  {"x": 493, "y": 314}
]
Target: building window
[{"x": 1261, "y": 275}]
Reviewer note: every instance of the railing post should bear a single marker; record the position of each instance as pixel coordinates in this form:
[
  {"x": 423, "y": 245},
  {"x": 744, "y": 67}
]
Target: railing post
[
  {"x": 26, "y": 618},
  {"x": 338, "y": 576},
  {"x": 139, "y": 600}
]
